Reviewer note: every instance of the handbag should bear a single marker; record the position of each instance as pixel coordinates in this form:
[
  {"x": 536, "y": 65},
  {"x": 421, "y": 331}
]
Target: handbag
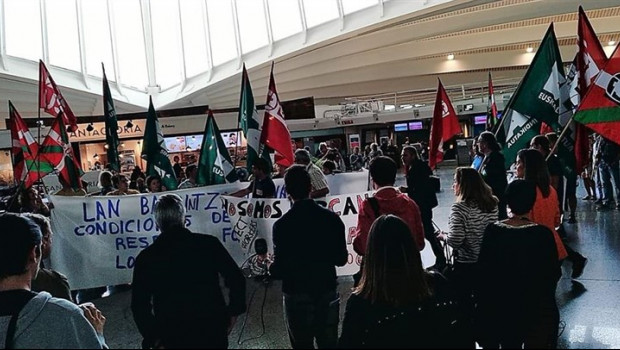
[{"x": 448, "y": 271}]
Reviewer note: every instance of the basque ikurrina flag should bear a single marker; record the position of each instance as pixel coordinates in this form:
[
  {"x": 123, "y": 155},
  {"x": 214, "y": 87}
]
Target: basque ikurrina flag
[
  {"x": 57, "y": 151},
  {"x": 600, "y": 108},
  {"x": 24, "y": 152}
]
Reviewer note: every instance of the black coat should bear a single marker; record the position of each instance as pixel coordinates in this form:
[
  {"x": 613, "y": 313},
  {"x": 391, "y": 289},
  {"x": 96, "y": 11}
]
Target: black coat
[
  {"x": 420, "y": 187},
  {"x": 176, "y": 294}
]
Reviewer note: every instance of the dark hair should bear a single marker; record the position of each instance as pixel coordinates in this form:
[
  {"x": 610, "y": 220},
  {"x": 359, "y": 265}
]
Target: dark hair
[
  {"x": 152, "y": 178},
  {"x": 535, "y": 169},
  {"x": 412, "y": 151},
  {"x": 489, "y": 138},
  {"x": 23, "y": 197},
  {"x": 190, "y": 168},
  {"x": 383, "y": 171},
  {"x": 297, "y": 182},
  {"x": 393, "y": 272},
  {"x": 473, "y": 189},
  {"x": 19, "y": 236},
  {"x": 520, "y": 196},
  {"x": 262, "y": 165},
  {"x": 105, "y": 178},
  {"x": 329, "y": 165},
  {"x": 543, "y": 142},
  {"x": 116, "y": 179}
]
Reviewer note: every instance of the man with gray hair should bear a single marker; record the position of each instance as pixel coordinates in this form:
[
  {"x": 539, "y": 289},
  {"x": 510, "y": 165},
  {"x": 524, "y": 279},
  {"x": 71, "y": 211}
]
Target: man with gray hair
[
  {"x": 317, "y": 178},
  {"x": 177, "y": 301}
]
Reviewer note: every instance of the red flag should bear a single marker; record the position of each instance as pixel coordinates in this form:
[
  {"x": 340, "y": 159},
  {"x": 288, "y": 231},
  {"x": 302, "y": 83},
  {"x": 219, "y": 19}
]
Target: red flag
[
  {"x": 57, "y": 151},
  {"x": 24, "y": 150},
  {"x": 51, "y": 100},
  {"x": 591, "y": 59},
  {"x": 275, "y": 134},
  {"x": 491, "y": 108},
  {"x": 445, "y": 125}
]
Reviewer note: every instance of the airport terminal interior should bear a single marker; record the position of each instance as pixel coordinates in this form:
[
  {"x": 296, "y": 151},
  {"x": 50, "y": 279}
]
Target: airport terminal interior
[{"x": 348, "y": 73}]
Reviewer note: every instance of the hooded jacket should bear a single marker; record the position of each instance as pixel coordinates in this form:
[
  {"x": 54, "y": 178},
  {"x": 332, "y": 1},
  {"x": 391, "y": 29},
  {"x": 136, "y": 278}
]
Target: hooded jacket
[{"x": 46, "y": 323}]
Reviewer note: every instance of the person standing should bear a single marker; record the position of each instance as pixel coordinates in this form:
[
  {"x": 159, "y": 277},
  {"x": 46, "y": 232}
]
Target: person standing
[
  {"x": 356, "y": 160},
  {"x": 262, "y": 186},
  {"x": 191, "y": 172},
  {"x": 318, "y": 181},
  {"x": 309, "y": 242},
  {"x": 421, "y": 190},
  {"x": 493, "y": 169},
  {"x": 121, "y": 183},
  {"x": 608, "y": 155},
  {"x": 30, "y": 320},
  {"x": 177, "y": 300},
  {"x": 178, "y": 169}
]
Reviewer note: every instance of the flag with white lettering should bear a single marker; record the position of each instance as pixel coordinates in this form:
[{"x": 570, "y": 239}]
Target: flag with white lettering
[{"x": 154, "y": 151}]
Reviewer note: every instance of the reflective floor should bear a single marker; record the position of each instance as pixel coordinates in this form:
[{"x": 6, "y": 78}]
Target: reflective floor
[{"x": 589, "y": 306}]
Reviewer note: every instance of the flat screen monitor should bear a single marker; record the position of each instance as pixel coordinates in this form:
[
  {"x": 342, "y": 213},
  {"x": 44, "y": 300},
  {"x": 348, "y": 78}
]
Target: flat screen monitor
[
  {"x": 415, "y": 126},
  {"x": 175, "y": 144},
  {"x": 400, "y": 127},
  {"x": 480, "y": 119},
  {"x": 194, "y": 142}
]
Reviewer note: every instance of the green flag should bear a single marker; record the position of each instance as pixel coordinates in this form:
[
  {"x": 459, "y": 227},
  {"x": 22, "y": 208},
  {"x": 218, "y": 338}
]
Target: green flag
[
  {"x": 154, "y": 151},
  {"x": 250, "y": 123},
  {"x": 537, "y": 99},
  {"x": 215, "y": 166},
  {"x": 111, "y": 124}
]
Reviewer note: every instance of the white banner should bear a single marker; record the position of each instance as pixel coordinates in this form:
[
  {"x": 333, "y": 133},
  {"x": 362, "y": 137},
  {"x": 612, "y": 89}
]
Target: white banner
[
  {"x": 52, "y": 185},
  {"x": 98, "y": 238}
]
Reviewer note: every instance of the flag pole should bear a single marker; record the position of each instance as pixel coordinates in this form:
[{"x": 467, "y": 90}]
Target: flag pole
[{"x": 562, "y": 134}]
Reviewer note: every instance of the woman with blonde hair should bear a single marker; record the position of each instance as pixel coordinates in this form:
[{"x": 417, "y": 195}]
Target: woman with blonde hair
[{"x": 396, "y": 296}]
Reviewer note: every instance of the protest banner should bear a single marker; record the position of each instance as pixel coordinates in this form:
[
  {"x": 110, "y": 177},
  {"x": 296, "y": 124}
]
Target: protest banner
[
  {"x": 52, "y": 185},
  {"x": 98, "y": 238}
]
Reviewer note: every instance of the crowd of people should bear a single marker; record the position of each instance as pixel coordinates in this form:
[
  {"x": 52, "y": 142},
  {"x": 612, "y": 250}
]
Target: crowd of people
[{"x": 509, "y": 231}]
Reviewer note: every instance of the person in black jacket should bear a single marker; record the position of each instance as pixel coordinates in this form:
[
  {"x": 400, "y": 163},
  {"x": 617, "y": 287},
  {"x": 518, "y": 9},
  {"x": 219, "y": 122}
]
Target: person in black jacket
[
  {"x": 421, "y": 189},
  {"x": 493, "y": 169},
  {"x": 309, "y": 241},
  {"x": 177, "y": 301},
  {"x": 397, "y": 303}
]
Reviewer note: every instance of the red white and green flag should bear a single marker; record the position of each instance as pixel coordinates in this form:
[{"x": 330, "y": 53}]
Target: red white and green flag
[
  {"x": 275, "y": 134},
  {"x": 56, "y": 151},
  {"x": 491, "y": 107},
  {"x": 445, "y": 125},
  {"x": 589, "y": 60},
  {"x": 24, "y": 151},
  {"x": 51, "y": 100}
]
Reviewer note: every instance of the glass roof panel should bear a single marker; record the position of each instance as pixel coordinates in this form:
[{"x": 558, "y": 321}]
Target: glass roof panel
[
  {"x": 130, "y": 43},
  {"x": 350, "y": 6},
  {"x": 166, "y": 45},
  {"x": 194, "y": 37},
  {"x": 252, "y": 25},
  {"x": 97, "y": 43},
  {"x": 222, "y": 30},
  {"x": 62, "y": 34},
  {"x": 320, "y": 11},
  {"x": 285, "y": 19},
  {"x": 23, "y": 37}
]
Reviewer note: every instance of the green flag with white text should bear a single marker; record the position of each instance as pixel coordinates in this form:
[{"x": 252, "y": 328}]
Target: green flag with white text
[
  {"x": 111, "y": 125},
  {"x": 215, "y": 166},
  {"x": 537, "y": 99},
  {"x": 250, "y": 123},
  {"x": 154, "y": 151}
]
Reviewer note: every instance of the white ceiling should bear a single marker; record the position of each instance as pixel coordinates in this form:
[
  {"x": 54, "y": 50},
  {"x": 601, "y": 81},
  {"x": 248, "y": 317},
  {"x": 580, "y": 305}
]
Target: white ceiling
[{"x": 401, "y": 51}]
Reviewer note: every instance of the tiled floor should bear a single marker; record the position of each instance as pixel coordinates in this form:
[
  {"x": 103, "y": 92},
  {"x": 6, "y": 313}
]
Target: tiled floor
[{"x": 589, "y": 307}]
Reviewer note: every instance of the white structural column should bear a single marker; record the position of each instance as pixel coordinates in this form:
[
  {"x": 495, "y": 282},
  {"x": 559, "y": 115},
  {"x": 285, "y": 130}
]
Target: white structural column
[
  {"x": 2, "y": 36},
  {"x": 181, "y": 47},
  {"x": 304, "y": 23},
  {"x": 147, "y": 30},
  {"x": 44, "y": 42},
  {"x": 268, "y": 24},
  {"x": 340, "y": 14},
  {"x": 81, "y": 41},
  {"x": 380, "y": 5},
  {"x": 233, "y": 3},
  {"x": 114, "y": 48},
  {"x": 206, "y": 24}
]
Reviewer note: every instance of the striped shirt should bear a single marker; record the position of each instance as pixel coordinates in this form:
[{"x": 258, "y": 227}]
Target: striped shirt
[
  {"x": 317, "y": 179},
  {"x": 467, "y": 224}
]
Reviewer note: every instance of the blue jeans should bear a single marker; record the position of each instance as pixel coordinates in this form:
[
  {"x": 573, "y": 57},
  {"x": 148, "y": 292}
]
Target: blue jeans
[
  {"x": 609, "y": 171},
  {"x": 310, "y": 317}
]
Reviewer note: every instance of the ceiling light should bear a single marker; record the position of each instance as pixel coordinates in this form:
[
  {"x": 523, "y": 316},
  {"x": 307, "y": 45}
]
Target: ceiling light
[
  {"x": 129, "y": 125},
  {"x": 122, "y": 144},
  {"x": 611, "y": 43},
  {"x": 529, "y": 49},
  {"x": 106, "y": 146},
  {"x": 90, "y": 127},
  {"x": 451, "y": 56}
]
